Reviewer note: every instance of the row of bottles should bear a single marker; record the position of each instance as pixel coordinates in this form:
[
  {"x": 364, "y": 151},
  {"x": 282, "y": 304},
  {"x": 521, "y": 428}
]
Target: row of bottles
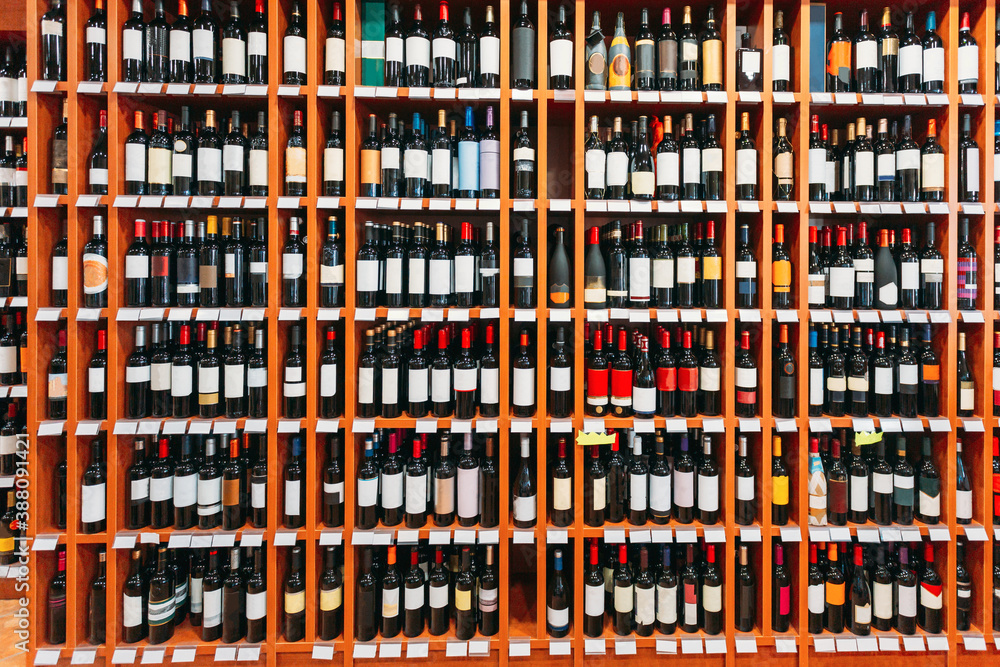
[
  {"x": 400, "y": 372},
  {"x": 684, "y": 60},
  {"x": 416, "y": 160},
  {"x": 892, "y": 370}
]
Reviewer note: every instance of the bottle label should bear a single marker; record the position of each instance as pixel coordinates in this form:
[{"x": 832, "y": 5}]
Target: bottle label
[
  {"x": 684, "y": 489},
  {"x": 209, "y": 164},
  {"x": 864, "y": 167},
  {"x": 335, "y": 59},
  {"x": 468, "y": 494},
  {"x": 859, "y": 493},
  {"x": 524, "y": 387},
  {"x": 623, "y": 599},
  {"x": 600, "y": 494},
  {"x": 711, "y": 598},
  {"x": 817, "y": 599},
  {"x": 161, "y": 489},
  {"x": 256, "y": 605},
  {"x": 666, "y": 604},
  {"x": 711, "y": 158},
  {"x": 963, "y": 504},
  {"x": 815, "y": 386},
  {"x": 659, "y": 493},
  {"x": 209, "y": 496},
  {"x": 595, "y": 162},
  {"x": 140, "y": 489},
  {"x": 417, "y": 385},
  {"x": 817, "y": 164},
  {"x": 932, "y": 172},
  {"x": 444, "y": 495},
  {"x": 745, "y": 488},
  {"x": 135, "y": 162},
  {"x": 416, "y": 494},
  {"x": 368, "y": 492},
  {"x": 746, "y": 166},
  {"x": 663, "y": 273},
  {"x": 931, "y": 595},
  {"x": 489, "y": 55},
  {"x": 418, "y": 52},
  {"x": 394, "y": 50},
  {"x": 780, "y": 62},
  {"x": 93, "y": 498},
  {"x": 489, "y": 392},
  {"x": 562, "y": 494},
  {"x": 132, "y": 611},
  {"x": 910, "y": 61},
  {"x": 392, "y": 490},
  {"x": 593, "y": 600},
  {"x": 972, "y": 170},
  {"x": 203, "y": 44},
  {"x": 524, "y": 508},
  {"x": 212, "y": 608},
  {"x": 710, "y": 379},
  {"x": 234, "y": 56},
  {"x": 668, "y": 169},
  {"x": 886, "y": 167},
  {"x": 333, "y": 165},
  {"x": 294, "y": 52},
  {"x": 559, "y": 378},
  {"x": 708, "y": 493},
  {"x": 185, "y": 490},
  {"x": 557, "y": 619},
  {"x": 561, "y": 57},
  {"x": 968, "y": 63},
  {"x": 617, "y": 169}
]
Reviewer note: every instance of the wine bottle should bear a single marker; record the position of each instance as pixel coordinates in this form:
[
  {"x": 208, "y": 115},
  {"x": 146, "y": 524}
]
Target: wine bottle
[
  {"x": 561, "y": 53},
  {"x": 781, "y": 56},
  {"x": 557, "y": 611},
  {"x": 53, "y": 33},
  {"x": 968, "y": 59},
  {"x": 968, "y": 161},
  {"x": 524, "y": 493},
  {"x": 294, "y": 603},
  {"x": 746, "y": 592},
  {"x": 523, "y": 43},
  {"x": 294, "y": 49},
  {"x": 596, "y": 56}
]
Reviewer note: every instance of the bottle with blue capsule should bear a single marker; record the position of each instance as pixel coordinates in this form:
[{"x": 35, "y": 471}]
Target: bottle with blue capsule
[{"x": 468, "y": 158}]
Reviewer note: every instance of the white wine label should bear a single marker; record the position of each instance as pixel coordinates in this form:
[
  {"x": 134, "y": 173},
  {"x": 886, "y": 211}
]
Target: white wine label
[
  {"x": 859, "y": 493},
  {"x": 294, "y": 51},
  {"x": 368, "y": 492},
  {"x": 293, "y": 497},
  {"x": 593, "y": 600},
  {"x": 489, "y": 55},
  {"x": 335, "y": 54},
  {"x": 392, "y": 490},
  {"x": 140, "y": 489},
  {"x": 708, "y": 493},
  {"x": 416, "y": 494},
  {"x": 418, "y": 51},
  {"x": 911, "y": 60},
  {"x": 93, "y": 499},
  {"x": 968, "y": 62},
  {"x": 185, "y": 490},
  {"x": 256, "y": 605}
]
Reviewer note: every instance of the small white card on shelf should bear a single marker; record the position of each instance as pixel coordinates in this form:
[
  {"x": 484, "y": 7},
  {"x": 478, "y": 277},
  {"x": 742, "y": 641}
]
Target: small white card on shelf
[
  {"x": 692, "y": 646},
  {"x": 121, "y": 656},
  {"x": 322, "y": 652},
  {"x": 666, "y": 645},
  {"x": 184, "y": 654}
]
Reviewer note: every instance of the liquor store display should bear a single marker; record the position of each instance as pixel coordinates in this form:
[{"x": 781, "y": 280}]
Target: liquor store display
[{"x": 540, "y": 330}]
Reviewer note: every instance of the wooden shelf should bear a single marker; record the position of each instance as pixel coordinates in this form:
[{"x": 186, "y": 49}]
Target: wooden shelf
[{"x": 561, "y": 121}]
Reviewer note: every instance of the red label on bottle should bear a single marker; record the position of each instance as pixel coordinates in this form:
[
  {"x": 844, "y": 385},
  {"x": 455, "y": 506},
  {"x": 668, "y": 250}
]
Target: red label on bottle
[
  {"x": 690, "y": 594},
  {"x": 996, "y": 495},
  {"x": 687, "y": 379},
  {"x": 932, "y": 589},
  {"x": 746, "y": 397},
  {"x": 837, "y": 491},
  {"x": 621, "y": 383},
  {"x": 597, "y": 382},
  {"x": 666, "y": 378},
  {"x": 161, "y": 267},
  {"x": 785, "y": 600}
]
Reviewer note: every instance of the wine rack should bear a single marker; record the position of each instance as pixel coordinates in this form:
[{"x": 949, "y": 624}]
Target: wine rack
[{"x": 559, "y": 125}]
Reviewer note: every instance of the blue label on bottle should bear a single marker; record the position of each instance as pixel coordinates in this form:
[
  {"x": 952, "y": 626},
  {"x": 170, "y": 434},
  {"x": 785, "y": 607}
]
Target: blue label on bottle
[{"x": 468, "y": 165}]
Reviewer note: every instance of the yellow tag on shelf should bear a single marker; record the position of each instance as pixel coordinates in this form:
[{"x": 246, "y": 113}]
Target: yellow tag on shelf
[
  {"x": 585, "y": 439},
  {"x": 866, "y": 438}
]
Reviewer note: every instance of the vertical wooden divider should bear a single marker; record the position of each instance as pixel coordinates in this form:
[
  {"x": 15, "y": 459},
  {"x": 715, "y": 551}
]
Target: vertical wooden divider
[
  {"x": 798, "y": 491},
  {"x": 348, "y": 231},
  {"x": 984, "y": 590},
  {"x": 43, "y": 223},
  {"x": 726, "y": 344},
  {"x": 580, "y": 454},
  {"x": 275, "y": 185}
]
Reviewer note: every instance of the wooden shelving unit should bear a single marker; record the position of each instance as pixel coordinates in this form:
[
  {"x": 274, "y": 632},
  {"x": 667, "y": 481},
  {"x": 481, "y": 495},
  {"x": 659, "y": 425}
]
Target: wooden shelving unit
[{"x": 559, "y": 128}]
